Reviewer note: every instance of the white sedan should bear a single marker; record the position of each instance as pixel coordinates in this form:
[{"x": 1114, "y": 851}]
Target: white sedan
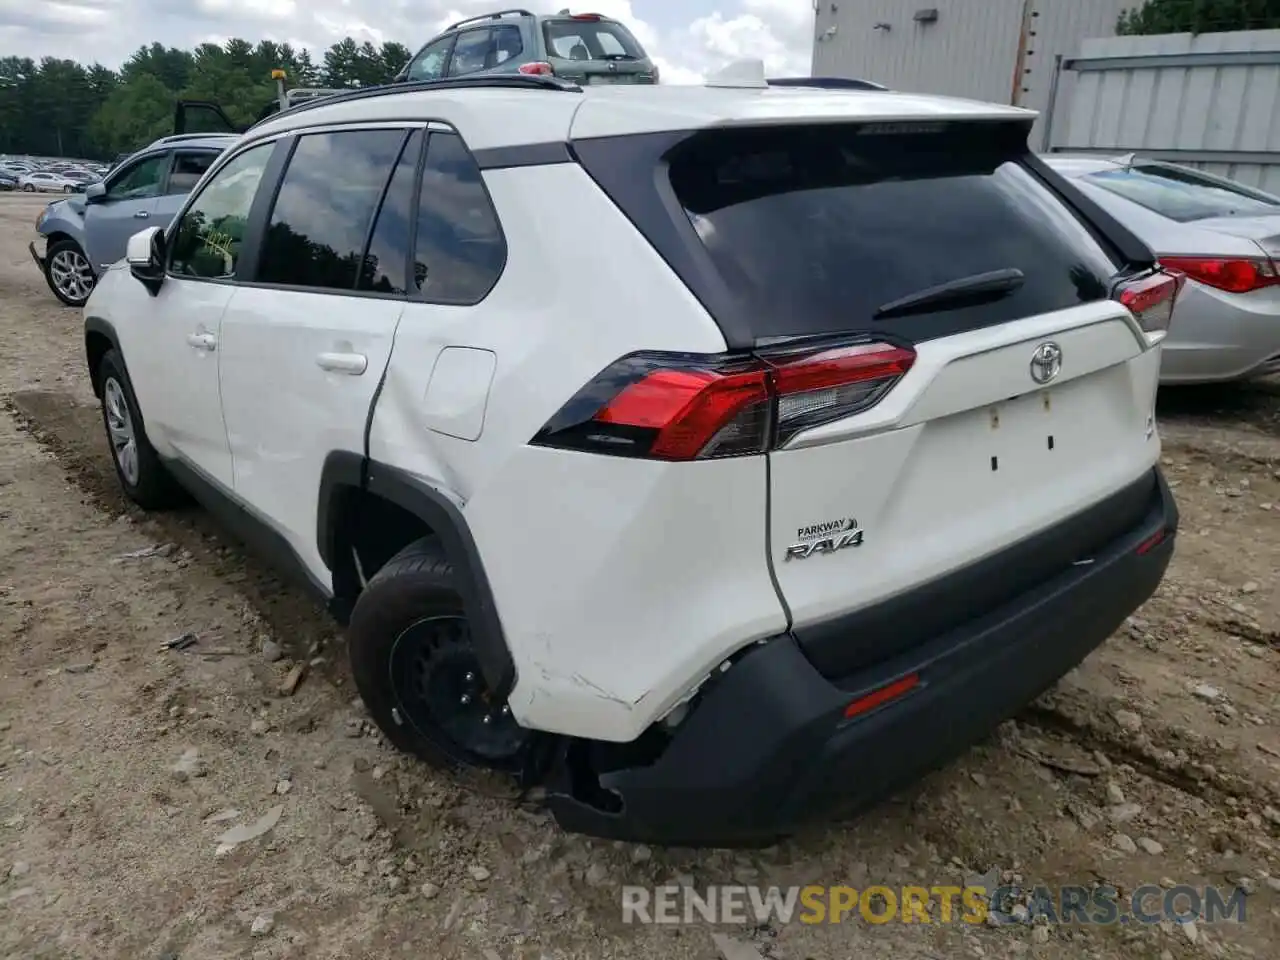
[{"x": 46, "y": 183}]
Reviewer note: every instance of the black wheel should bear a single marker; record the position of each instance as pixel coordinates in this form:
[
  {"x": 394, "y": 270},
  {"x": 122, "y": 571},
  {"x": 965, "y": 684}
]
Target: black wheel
[
  {"x": 67, "y": 271},
  {"x": 145, "y": 480},
  {"x": 68, "y": 189},
  {"x": 417, "y": 672},
  {"x": 29, "y": 188}
]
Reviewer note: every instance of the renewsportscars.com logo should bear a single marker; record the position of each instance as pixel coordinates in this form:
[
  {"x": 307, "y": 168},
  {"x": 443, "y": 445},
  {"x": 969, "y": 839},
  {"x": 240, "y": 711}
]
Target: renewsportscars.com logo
[{"x": 878, "y": 904}]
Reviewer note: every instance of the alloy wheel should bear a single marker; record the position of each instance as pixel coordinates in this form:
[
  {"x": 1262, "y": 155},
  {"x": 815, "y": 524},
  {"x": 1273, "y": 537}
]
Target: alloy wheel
[
  {"x": 70, "y": 273},
  {"x": 120, "y": 430}
]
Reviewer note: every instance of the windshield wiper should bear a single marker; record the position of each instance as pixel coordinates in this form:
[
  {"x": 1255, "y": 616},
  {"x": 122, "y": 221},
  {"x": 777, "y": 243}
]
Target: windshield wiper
[{"x": 966, "y": 291}]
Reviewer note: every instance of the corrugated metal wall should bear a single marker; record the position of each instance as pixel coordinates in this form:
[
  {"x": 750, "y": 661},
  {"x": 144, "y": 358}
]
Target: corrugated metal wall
[
  {"x": 969, "y": 52},
  {"x": 1211, "y": 101}
]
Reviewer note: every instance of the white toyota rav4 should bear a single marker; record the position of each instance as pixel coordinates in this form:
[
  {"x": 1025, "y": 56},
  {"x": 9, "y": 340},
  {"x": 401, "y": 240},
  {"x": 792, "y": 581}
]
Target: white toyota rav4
[{"x": 715, "y": 457}]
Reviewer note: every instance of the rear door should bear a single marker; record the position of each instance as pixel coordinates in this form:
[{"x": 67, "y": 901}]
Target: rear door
[
  {"x": 589, "y": 48},
  {"x": 305, "y": 342},
  {"x": 982, "y": 416}
]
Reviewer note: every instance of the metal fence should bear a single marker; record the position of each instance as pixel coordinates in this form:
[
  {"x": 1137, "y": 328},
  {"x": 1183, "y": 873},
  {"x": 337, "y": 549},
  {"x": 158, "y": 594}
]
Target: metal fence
[{"x": 1210, "y": 101}]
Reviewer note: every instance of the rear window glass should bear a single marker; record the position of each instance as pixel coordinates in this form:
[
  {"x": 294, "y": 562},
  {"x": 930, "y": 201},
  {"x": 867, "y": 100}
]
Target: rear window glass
[
  {"x": 817, "y": 228},
  {"x": 590, "y": 40},
  {"x": 1182, "y": 195}
]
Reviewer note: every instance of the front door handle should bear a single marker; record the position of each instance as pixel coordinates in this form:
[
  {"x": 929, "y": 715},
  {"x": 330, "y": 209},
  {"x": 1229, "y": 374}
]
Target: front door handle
[
  {"x": 141, "y": 215},
  {"x": 353, "y": 364},
  {"x": 202, "y": 341}
]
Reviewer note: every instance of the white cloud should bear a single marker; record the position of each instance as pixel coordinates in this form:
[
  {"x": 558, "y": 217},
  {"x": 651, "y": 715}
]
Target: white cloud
[{"x": 687, "y": 38}]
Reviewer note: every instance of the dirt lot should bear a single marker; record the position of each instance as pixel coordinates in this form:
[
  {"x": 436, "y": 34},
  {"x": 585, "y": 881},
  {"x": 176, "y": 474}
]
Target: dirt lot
[{"x": 1158, "y": 761}]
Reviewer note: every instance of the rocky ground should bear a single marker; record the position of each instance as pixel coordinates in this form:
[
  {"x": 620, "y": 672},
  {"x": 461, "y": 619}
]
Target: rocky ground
[{"x": 198, "y": 801}]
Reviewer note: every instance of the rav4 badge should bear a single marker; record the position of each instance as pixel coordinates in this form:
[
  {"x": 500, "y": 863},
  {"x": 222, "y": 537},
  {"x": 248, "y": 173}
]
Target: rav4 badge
[{"x": 825, "y": 537}]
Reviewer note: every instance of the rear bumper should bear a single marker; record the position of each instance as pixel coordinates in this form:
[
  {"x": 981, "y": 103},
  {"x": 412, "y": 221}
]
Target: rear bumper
[{"x": 767, "y": 747}]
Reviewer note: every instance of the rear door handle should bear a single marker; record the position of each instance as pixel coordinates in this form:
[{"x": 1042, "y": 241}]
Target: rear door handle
[
  {"x": 202, "y": 341},
  {"x": 352, "y": 364},
  {"x": 141, "y": 215}
]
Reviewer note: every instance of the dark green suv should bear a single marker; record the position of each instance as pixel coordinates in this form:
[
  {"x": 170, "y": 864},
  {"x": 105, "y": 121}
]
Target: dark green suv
[{"x": 580, "y": 47}]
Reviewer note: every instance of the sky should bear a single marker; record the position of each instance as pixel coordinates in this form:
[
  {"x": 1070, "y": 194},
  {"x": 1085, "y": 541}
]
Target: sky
[{"x": 687, "y": 38}]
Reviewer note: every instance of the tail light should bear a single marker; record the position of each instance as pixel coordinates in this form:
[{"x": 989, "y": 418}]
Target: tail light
[
  {"x": 1151, "y": 298},
  {"x": 1234, "y": 275},
  {"x": 671, "y": 406},
  {"x": 537, "y": 68},
  {"x": 586, "y": 16}
]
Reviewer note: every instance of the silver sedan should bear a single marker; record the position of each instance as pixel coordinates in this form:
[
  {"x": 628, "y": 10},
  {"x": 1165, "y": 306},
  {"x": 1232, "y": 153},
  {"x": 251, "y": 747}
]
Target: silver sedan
[{"x": 1224, "y": 236}]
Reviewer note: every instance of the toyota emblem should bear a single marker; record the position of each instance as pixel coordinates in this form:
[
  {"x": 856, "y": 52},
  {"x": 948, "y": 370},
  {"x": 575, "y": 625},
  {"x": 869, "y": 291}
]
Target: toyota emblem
[{"x": 1046, "y": 362}]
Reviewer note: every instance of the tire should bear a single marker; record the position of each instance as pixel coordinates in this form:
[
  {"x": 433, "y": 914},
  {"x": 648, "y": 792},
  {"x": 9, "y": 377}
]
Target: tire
[
  {"x": 68, "y": 189},
  {"x": 408, "y": 613},
  {"x": 68, "y": 272},
  {"x": 142, "y": 475},
  {"x": 28, "y": 188}
]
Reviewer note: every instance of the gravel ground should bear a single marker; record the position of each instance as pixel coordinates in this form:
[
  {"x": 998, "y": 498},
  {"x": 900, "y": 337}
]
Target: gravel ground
[{"x": 123, "y": 764}]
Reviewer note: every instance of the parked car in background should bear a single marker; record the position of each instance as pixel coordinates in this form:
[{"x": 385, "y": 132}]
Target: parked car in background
[
  {"x": 8, "y": 181},
  {"x": 43, "y": 181},
  {"x": 583, "y": 48},
  {"x": 1224, "y": 236},
  {"x": 82, "y": 235}
]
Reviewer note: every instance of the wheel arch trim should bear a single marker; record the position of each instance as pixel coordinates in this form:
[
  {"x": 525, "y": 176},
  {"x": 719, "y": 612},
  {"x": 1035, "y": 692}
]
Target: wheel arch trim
[
  {"x": 99, "y": 326},
  {"x": 343, "y": 469}
]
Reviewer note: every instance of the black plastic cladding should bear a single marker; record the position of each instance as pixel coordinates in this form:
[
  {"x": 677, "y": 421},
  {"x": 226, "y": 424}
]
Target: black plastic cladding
[{"x": 632, "y": 171}]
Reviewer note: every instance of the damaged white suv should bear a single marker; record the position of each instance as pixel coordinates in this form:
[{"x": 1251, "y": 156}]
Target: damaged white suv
[{"x": 717, "y": 457}]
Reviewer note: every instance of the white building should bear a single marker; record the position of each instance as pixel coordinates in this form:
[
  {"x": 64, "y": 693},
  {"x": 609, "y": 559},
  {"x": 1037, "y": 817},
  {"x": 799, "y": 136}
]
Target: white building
[{"x": 996, "y": 50}]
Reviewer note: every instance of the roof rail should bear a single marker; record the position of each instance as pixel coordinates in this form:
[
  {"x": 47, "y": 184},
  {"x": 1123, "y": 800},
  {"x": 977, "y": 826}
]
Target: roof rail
[
  {"x": 489, "y": 16},
  {"x": 825, "y": 83},
  {"x": 177, "y": 137},
  {"x": 508, "y": 81}
]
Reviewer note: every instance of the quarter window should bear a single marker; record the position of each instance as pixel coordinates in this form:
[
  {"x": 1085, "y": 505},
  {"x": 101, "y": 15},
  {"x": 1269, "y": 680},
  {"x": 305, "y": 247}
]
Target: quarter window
[
  {"x": 206, "y": 242},
  {"x": 460, "y": 249},
  {"x": 327, "y": 201}
]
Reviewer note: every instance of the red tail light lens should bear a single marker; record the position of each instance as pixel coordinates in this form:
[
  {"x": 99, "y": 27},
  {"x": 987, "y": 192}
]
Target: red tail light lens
[
  {"x": 537, "y": 68},
  {"x": 1234, "y": 275},
  {"x": 693, "y": 407},
  {"x": 1151, "y": 298}
]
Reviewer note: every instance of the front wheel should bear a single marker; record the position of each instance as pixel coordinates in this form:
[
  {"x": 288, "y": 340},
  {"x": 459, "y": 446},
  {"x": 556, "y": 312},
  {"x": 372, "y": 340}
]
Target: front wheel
[
  {"x": 415, "y": 666},
  {"x": 67, "y": 270},
  {"x": 28, "y": 188},
  {"x": 68, "y": 189},
  {"x": 142, "y": 475}
]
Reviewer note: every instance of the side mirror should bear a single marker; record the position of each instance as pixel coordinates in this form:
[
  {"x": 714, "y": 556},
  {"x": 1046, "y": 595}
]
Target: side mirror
[
  {"x": 145, "y": 254},
  {"x": 94, "y": 192}
]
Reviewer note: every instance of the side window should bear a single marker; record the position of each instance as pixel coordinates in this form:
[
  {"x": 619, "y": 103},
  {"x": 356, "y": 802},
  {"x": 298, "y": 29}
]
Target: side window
[
  {"x": 187, "y": 170},
  {"x": 460, "y": 250},
  {"x": 430, "y": 63},
  {"x": 386, "y": 262},
  {"x": 141, "y": 180},
  {"x": 470, "y": 52},
  {"x": 507, "y": 44},
  {"x": 327, "y": 200},
  {"x": 206, "y": 241}
]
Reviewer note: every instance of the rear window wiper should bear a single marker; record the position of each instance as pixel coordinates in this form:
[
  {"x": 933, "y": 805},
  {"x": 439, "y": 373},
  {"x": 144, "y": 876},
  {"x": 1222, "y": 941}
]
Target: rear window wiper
[
  {"x": 965, "y": 291},
  {"x": 617, "y": 56}
]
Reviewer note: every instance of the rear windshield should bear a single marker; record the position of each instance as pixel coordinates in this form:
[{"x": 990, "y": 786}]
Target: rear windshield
[
  {"x": 818, "y": 227},
  {"x": 590, "y": 40},
  {"x": 1181, "y": 194}
]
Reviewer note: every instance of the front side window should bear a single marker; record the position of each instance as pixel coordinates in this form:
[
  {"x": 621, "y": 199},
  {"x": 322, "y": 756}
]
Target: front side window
[
  {"x": 430, "y": 63},
  {"x": 206, "y": 242},
  {"x": 140, "y": 181},
  {"x": 460, "y": 249},
  {"x": 327, "y": 200},
  {"x": 1181, "y": 194}
]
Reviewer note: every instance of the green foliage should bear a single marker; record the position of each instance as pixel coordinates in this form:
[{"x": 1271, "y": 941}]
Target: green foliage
[
  {"x": 64, "y": 108},
  {"x": 1199, "y": 16}
]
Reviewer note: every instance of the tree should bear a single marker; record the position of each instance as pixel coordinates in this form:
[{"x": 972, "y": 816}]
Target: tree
[
  {"x": 1199, "y": 16},
  {"x": 64, "y": 108}
]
